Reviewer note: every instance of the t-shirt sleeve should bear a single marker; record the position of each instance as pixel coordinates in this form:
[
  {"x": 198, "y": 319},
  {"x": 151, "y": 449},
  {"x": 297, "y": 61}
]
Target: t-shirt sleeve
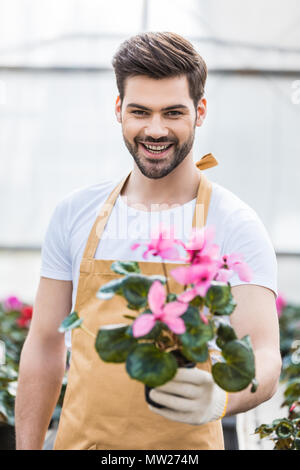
[
  {"x": 55, "y": 257},
  {"x": 248, "y": 236}
]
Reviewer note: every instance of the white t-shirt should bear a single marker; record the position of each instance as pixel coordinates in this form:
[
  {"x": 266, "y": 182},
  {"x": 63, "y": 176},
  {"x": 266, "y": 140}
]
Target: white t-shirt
[{"x": 237, "y": 226}]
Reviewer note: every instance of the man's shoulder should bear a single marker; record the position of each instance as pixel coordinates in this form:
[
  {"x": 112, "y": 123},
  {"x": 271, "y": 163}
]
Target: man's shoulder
[
  {"x": 226, "y": 205},
  {"x": 88, "y": 195}
]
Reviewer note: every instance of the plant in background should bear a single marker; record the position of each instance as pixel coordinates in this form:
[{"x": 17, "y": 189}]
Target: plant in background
[
  {"x": 15, "y": 317},
  {"x": 169, "y": 329},
  {"x": 285, "y": 432}
]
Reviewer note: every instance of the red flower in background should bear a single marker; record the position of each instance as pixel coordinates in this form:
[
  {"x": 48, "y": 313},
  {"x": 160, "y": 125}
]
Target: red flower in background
[{"x": 24, "y": 320}]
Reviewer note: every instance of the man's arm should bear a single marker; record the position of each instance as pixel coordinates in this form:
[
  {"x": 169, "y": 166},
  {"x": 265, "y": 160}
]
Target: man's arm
[
  {"x": 193, "y": 397},
  {"x": 42, "y": 364},
  {"x": 256, "y": 315}
]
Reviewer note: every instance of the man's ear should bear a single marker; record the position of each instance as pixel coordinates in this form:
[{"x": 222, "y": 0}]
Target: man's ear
[
  {"x": 118, "y": 111},
  {"x": 201, "y": 112}
]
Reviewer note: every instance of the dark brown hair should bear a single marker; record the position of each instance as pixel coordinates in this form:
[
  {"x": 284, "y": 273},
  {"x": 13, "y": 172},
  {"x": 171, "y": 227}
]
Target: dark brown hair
[{"x": 160, "y": 55}]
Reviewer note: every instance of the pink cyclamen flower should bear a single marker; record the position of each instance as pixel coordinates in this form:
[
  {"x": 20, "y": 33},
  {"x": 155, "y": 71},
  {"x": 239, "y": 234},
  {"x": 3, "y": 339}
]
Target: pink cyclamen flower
[
  {"x": 233, "y": 263},
  {"x": 280, "y": 304},
  {"x": 168, "y": 313},
  {"x": 200, "y": 247},
  {"x": 12, "y": 303},
  {"x": 293, "y": 406},
  {"x": 161, "y": 244},
  {"x": 200, "y": 275}
]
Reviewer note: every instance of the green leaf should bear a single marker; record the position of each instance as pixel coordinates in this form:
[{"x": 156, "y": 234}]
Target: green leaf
[
  {"x": 292, "y": 391},
  {"x": 108, "y": 290},
  {"x": 264, "y": 430},
  {"x": 135, "y": 289},
  {"x": 125, "y": 267},
  {"x": 225, "y": 334},
  {"x": 197, "y": 354},
  {"x": 113, "y": 345},
  {"x": 171, "y": 297},
  {"x": 197, "y": 301},
  {"x": 197, "y": 336},
  {"x": 150, "y": 366},
  {"x": 297, "y": 443},
  {"x": 7, "y": 402},
  {"x": 7, "y": 373},
  {"x": 219, "y": 299},
  {"x": 154, "y": 333},
  {"x": 239, "y": 369},
  {"x": 191, "y": 316},
  {"x": 284, "y": 429},
  {"x": 228, "y": 309},
  {"x": 72, "y": 321},
  {"x": 157, "y": 277}
]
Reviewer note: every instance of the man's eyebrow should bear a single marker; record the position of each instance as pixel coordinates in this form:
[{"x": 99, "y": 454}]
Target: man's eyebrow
[{"x": 175, "y": 106}]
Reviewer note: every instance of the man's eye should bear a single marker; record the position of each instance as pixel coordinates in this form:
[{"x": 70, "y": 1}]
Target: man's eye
[{"x": 170, "y": 113}]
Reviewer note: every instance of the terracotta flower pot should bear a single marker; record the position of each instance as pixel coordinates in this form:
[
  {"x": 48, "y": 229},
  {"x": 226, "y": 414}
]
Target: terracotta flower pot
[{"x": 182, "y": 362}]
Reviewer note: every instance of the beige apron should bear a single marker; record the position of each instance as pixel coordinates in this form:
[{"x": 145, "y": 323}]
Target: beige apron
[{"x": 103, "y": 407}]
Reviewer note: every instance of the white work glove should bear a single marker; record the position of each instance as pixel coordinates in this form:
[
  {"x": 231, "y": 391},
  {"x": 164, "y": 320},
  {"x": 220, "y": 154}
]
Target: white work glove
[{"x": 191, "y": 397}]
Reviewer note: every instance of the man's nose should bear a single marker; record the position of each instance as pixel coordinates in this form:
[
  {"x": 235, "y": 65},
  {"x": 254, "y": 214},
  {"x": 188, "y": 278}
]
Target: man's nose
[{"x": 156, "y": 127}]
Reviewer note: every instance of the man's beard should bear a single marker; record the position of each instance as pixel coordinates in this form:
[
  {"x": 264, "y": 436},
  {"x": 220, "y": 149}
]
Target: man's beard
[{"x": 156, "y": 170}]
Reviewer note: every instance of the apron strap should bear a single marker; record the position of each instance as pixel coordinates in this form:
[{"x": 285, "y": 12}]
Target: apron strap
[{"x": 200, "y": 213}]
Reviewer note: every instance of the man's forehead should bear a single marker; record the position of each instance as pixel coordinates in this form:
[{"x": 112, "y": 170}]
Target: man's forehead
[{"x": 161, "y": 92}]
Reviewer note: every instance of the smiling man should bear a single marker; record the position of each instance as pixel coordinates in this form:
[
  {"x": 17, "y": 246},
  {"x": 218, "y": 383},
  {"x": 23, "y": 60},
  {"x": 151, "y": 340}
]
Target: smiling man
[{"x": 161, "y": 80}]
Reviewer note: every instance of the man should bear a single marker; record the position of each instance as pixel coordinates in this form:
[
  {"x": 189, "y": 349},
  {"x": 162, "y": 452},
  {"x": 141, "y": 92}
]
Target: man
[{"x": 161, "y": 79}]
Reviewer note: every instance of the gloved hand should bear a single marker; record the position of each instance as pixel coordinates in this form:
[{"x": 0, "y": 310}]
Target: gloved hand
[{"x": 191, "y": 397}]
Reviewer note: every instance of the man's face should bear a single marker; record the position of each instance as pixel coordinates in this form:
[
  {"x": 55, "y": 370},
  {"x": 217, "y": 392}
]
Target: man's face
[{"x": 145, "y": 122}]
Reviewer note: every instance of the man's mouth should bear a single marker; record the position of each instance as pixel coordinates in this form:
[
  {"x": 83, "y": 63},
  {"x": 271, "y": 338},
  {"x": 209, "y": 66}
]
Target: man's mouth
[{"x": 156, "y": 150}]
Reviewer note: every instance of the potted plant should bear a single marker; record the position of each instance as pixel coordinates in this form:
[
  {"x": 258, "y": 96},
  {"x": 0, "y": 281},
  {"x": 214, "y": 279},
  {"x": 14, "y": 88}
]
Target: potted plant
[{"x": 169, "y": 329}]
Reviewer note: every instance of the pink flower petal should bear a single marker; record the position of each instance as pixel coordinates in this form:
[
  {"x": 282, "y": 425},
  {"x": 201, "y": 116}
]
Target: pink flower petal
[
  {"x": 187, "y": 295},
  {"x": 224, "y": 275},
  {"x": 175, "y": 324},
  {"x": 156, "y": 297},
  {"x": 142, "y": 325},
  {"x": 169, "y": 253},
  {"x": 234, "y": 258},
  {"x": 175, "y": 309},
  {"x": 244, "y": 271},
  {"x": 182, "y": 275},
  {"x": 201, "y": 289},
  {"x": 135, "y": 245}
]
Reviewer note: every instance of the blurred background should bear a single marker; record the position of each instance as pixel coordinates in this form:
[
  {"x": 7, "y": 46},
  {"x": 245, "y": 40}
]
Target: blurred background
[{"x": 58, "y": 131}]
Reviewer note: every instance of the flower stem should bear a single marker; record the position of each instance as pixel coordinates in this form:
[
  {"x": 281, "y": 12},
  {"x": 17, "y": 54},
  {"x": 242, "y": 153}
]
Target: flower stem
[
  {"x": 87, "y": 331},
  {"x": 166, "y": 276}
]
